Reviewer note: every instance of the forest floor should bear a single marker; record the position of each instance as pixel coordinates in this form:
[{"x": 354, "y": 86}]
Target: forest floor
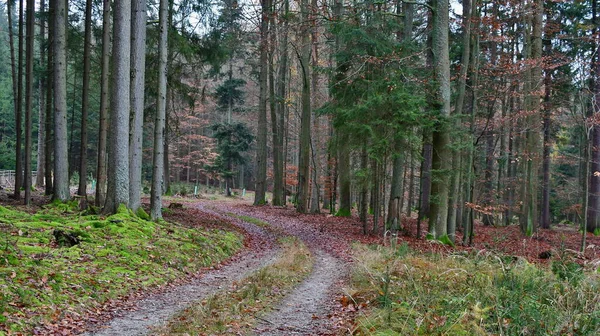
[{"x": 315, "y": 302}]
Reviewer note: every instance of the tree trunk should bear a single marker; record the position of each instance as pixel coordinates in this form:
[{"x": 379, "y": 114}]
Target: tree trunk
[
  {"x": 363, "y": 209},
  {"x": 49, "y": 145},
  {"x": 425, "y": 182},
  {"x": 261, "y": 139},
  {"x": 441, "y": 138},
  {"x": 138, "y": 66},
  {"x": 545, "y": 219},
  {"x": 159, "y": 122},
  {"x": 29, "y": 98},
  {"x": 104, "y": 106},
  {"x": 41, "y": 149},
  {"x": 61, "y": 154},
  {"x": 343, "y": 166},
  {"x": 85, "y": 101},
  {"x": 394, "y": 208},
  {"x": 118, "y": 154},
  {"x": 304, "y": 146},
  {"x": 279, "y": 121},
  {"x": 19, "y": 110}
]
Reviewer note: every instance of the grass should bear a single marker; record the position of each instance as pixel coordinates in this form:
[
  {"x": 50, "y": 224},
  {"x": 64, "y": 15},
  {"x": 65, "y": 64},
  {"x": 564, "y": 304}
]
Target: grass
[
  {"x": 42, "y": 283},
  {"x": 234, "y": 311},
  {"x": 411, "y": 294},
  {"x": 249, "y": 219}
]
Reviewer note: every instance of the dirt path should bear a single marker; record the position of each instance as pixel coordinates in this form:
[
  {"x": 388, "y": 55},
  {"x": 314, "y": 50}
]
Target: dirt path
[
  {"x": 304, "y": 311},
  {"x": 156, "y": 310}
]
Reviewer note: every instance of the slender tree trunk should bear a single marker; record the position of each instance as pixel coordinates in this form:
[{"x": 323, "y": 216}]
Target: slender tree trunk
[
  {"x": 343, "y": 166},
  {"x": 305, "y": 138},
  {"x": 279, "y": 121},
  {"x": 19, "y": 110},
  {"x": 49, "y": 145},
  {"x": 545, "y": 219},
  {"x": 29, "y": 98},
  {"x": 363, "y": 209},
  {"x": 61, "y": 154},
  {"x": 41, "y": 149},
  {"x": 138, "y": 66},
  {"x": 118, "y": 154},
  {"x": 425, "y": 181},
  {"x": 394, "y": 208},
  {"x": 85, "y": 102},
  {"x": 261, "y": 139},
  {"x": 315, "y": 141},
  {"x": 159, "y": 122},
  {"x": 104, "y": 106}
]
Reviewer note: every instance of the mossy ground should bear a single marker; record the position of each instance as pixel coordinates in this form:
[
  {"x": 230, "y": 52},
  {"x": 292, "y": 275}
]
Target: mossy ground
[
  {"x": 408, "y": 293},
  {"x": 41, "y": 282}
]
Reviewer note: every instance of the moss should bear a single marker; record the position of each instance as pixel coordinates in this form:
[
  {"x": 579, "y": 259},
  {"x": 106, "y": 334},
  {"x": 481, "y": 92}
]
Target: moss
[
  {"x": 446, "y": 240},
  {"x": 142, "y": 214},
  {"x": 117, "y": 255},
  {"x": 343, "y": 213}
]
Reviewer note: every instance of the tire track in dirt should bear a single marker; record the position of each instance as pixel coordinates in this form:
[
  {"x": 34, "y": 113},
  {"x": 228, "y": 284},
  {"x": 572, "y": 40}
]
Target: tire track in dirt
[
  {"x": 304, "y": 311},
  {"x": 156, "y": 310}
]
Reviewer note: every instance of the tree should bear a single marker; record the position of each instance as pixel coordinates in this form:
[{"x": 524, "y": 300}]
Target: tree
[
  {"x": 232, "y": 141},
  {"x": 304, "y": 152},
  {"x": 19, "y": 110},
  {"x": 85, "y": 102},
  {"x": 104, "y": 106},
  {"x": 118, "y": 155},
  {"x": 261, "y": 140},
  {"x": 43, "y": 84},
  {"x": 441, "y": 136},
  {"x": 158, "y": 175},
  {"x": 29, "y": 99},
  {"x": 138, "y": 67},
  {"x": 61, "y": 155}
]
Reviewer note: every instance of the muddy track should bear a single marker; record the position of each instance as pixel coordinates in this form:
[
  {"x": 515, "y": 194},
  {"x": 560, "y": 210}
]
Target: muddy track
[{"x": 156, "y": 310}]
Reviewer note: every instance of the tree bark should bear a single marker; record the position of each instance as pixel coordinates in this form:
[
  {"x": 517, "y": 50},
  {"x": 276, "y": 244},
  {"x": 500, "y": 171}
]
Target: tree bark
[
  {"x": 29, "y": 98},
  {"x": 279, "y": 121},
  {"x": 343, "y": 166},
  {"x": 61, "y": 154},
  {"x": 104, "y": 106},
  {"x": 19, "y": 110},
  {"x": 441, "y": 138},
  {"x": 261, "y": 139},
  {"x": 85, "y": 102},
  {"x": 118, "y": 154},
  {"x": 138, "y": 67},
  {"x": 41, "y": 148},
  {"x": 159, "y": 122},
  {"x": 304, "y": 146},
  {"x": 49, "y": 145}
]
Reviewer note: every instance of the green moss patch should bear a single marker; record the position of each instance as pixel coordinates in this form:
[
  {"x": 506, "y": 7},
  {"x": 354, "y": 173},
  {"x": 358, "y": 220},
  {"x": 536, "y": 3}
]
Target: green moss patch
[{"x": 42, "y": 282}]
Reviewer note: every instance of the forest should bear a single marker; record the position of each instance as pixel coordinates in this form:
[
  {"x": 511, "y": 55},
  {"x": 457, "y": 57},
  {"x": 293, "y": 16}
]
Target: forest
[{"x": 412, "y": 167}]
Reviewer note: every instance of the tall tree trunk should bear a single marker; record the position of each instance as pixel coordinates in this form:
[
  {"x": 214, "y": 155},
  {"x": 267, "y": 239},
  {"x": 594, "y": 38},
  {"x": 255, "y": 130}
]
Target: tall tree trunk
[
  {"x": 104, "y": 106},
  {"x": 61, "y": 154},
  {"x": 29, "y": 98},
  {"x": 315, "y": 141},
  {"x": 85, "y": 101},
  {"x": 363, "y": 209},
  {"x": 159, "y": 122},
  {"x": 545, "y": 219},
  {"x": 138, "y": 66},
  {"x": 49, "y": 145},
  {"x": 118, "y": 154},
  {"x": 304, "y": 146},
  {"x": 19, "y": 110},
  {"x": 261, "y": 139},
  {"x": 279, "y": 121},
  {"x": 441, "y": 138},
  {"x": 41, "y": 148},
  {"x": 529, "y": 219}
]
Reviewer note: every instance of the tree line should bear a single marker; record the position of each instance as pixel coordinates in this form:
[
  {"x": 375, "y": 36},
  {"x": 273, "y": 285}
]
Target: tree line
[{"x": 455, "y": 111}]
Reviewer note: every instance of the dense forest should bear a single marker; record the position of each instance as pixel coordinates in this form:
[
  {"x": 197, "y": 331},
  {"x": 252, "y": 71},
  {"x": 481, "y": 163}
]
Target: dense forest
[{"x": 453, "y": 111}]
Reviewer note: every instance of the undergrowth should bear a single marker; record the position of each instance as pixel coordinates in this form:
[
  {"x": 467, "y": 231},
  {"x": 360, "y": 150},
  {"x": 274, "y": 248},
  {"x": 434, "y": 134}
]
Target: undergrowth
[
  {"x": 234, "y": 311},
  {"x": 470, "y": 294},
  {"x": 42, "y": 282}
]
